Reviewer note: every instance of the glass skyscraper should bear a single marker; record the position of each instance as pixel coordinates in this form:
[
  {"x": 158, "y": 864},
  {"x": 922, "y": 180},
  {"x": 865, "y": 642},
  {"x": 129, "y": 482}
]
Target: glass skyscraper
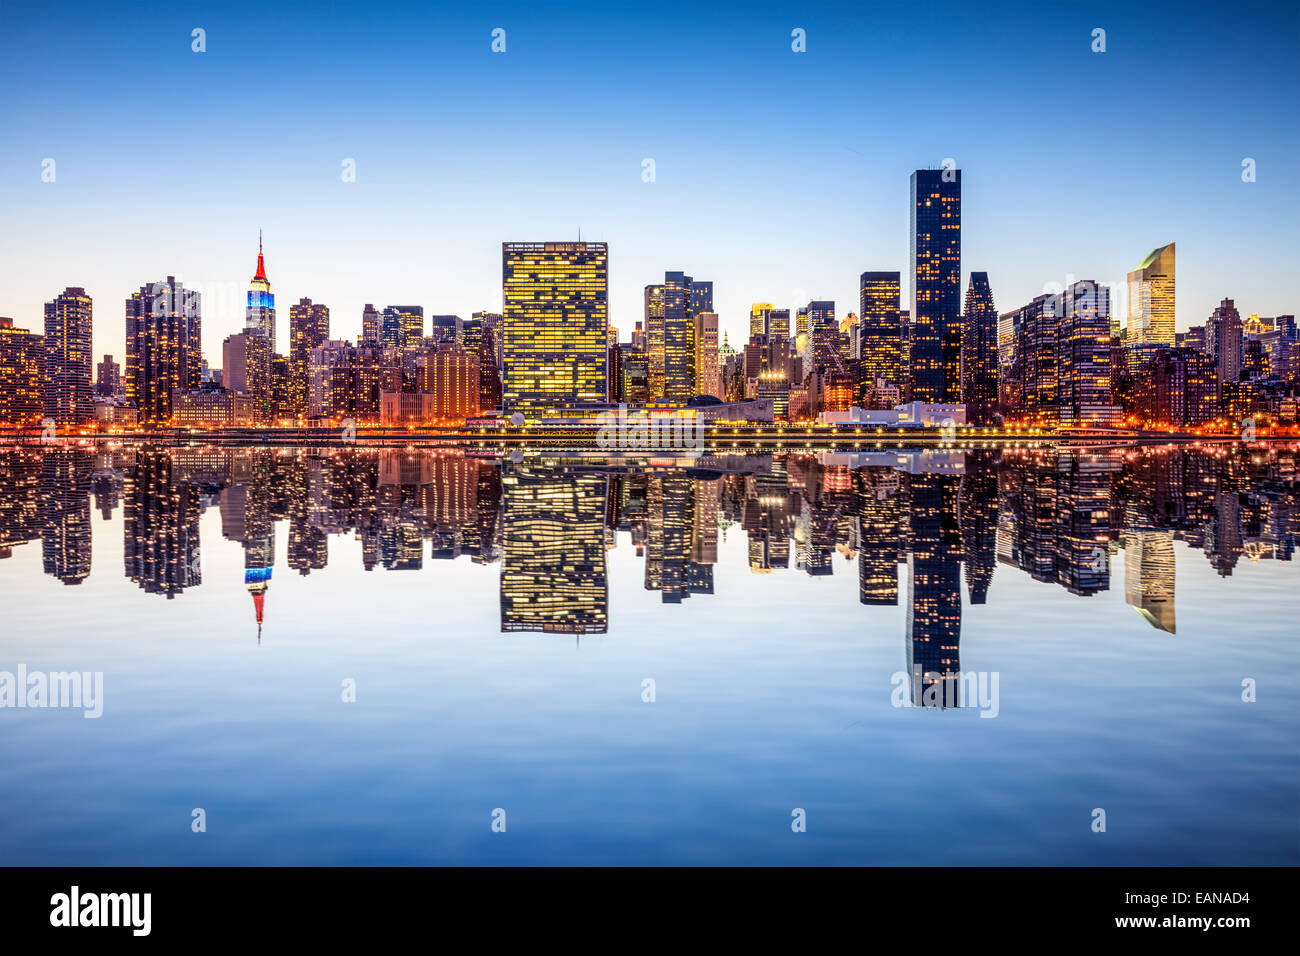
[
  {"x": 1151, "y": 299},
  {"x": 556, "y": 326},
  {"x": 935, "y": 359},
  {"x": 68, "y": 358}
]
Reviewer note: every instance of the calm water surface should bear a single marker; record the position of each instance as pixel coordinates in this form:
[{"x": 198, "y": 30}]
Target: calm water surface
[{"x": 653, "y": 661}]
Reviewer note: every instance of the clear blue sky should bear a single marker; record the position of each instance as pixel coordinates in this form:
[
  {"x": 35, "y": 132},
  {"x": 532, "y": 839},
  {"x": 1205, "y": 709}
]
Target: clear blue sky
[{"x": 780, "y": 176}]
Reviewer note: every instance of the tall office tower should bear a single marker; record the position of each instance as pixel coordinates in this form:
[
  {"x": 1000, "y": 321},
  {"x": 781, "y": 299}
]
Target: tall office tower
[
  {"x": 934, "y": 590},
  {"x": 1149, "y": 570},
  {"x": 879, "y": 517},
  {"x": 708, "y": 377},
  {"x": 450, "y": 375},
  {"x": 680, "y": 300},
  {"x": 1008, "y": 331},
  {"x": 22, "y": 376},
  {"x": 309, "y": 326},
  {"x": 494, "y": 321},
  {"x": 935, "y": 361},
  {"x": 163, "y": 355},
  {"x": 402, "y": 326},
  {"x": 108, "y": 378},
  {"x": 654, "y": 337},
  {"x": 977, "y": 514},
  {"x": 260, "y": 313},
  {"x": 1083, "y": 356},
  {"x": 489, "y": 372},
  {"x": 65, "y": 513},
  {"x": 553, "y": 576},
  {"x": 160, "y": 525},
  {"x": 758, "y": 318},
  {"x": 246, "y": 368},
  {"x": 979, "y": 351},
  {"x": 778, "y": 325},
  {"x": 824, "y": 333},
  {"x": 67, "y": 358},
  {"x": 556, "y": 298},
  {"x": 802, "y": 326},
  {"x": 1151, "y": 299},
  {"x": 446, "y": 328},
  {"x": 1223, "y": 341},
  {"x": 879, "y": 333},
  {"x": 370, "y": 319}
]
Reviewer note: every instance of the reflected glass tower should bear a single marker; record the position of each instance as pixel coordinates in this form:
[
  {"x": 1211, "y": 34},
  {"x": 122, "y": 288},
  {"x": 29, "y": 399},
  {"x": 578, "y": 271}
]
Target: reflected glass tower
[
  {"x": 934, "y": 591},
  {"x": 160, "y": 525},
  {"x": 553, "y": 558}
]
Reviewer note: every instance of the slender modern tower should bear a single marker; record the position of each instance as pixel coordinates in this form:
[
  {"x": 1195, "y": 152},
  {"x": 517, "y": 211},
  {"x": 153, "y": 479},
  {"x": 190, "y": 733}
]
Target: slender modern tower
[
  {"x": 878, "y": 342},
  {"x": 67, "y": 358},
  {"x": 1151, "y": 299},
  {"x": 260, "y": 314},
  {"x": 979, "y": 351},
  {"x": 935, "y": 361},
  {"x": 309, "y": 326}
]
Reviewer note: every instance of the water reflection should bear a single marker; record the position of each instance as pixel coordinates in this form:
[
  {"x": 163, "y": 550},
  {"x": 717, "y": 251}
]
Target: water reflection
[{"x": 1059, "y": 516}]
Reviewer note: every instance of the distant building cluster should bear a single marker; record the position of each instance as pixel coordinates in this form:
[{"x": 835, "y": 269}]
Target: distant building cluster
[{"x": 1063, "y": 359}]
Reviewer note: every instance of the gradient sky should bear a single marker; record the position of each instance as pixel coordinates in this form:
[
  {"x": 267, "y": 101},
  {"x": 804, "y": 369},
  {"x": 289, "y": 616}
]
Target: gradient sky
[{"x": 780, "y": 176}]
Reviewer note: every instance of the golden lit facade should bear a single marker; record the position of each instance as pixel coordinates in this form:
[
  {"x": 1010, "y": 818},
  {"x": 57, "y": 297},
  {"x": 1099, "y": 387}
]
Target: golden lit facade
[
  {"x": 68, "y": 362},
  {"x": 556, "y": 298},
  {"x": 22, "y": 372},
  {"x": 1151, "y": 299}
]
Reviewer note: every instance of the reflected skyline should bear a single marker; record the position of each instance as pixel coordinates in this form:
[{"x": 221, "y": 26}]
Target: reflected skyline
[{"x": 936, "y": 517}]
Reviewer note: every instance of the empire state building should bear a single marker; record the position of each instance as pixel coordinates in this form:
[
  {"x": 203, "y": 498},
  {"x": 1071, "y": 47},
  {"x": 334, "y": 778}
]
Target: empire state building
[{"x": 260, "y": 314}]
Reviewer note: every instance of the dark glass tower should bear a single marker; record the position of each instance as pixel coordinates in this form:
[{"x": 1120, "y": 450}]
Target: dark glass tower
[
  {"x": 979, "y": 351},
  {"x": 935, "y": 359}
]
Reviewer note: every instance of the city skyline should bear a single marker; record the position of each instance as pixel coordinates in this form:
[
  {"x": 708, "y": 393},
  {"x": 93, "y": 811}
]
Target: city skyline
[{"x": 421, "y": 224}]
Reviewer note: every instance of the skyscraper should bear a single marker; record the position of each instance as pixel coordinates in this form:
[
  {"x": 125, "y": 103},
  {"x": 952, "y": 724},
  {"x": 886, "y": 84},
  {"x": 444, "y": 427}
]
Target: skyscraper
[
  {"x": 683, "y": 297},
  {"x": 67, "y": 358},
  {"x": 260, "y": 313},
  {"x": 708, "y": 378},
  {"x": 369, "y": 324},
  {"x": 879, "y": 333},
  {"x": 935, "y": 360},
  {"x": 1223, "y": 341},
  {"x": 556, "y": 298},
  {"x": 654, "y": 337},
  {"x": 108, "y": 378},
  {"x": 246, "y": 368},
  {"x": 163, "y": 354},
  {"x": 309, "y": 326},
  {"x": 22, "y": 376},
  {"x": 402, "y": 326},
  {"x": 979, "y": 351},
  {"x": 1151, "y": 299}
]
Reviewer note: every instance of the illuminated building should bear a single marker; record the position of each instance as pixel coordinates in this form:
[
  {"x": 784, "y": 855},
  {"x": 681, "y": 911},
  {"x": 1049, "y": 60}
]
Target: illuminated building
[
  {"x": 163, "y": 353},
  {"x": 22, "y": 375},
  {"x": 878, "y": 336},
  {"x": 160, "y": 525},
  {"x": 65, "y": 514},
  {"x": 933, "y": 591},
  {"x": 708, "y": 380},
  {"x": 68, "y": 358},
  {"x": 212, "y": 406},
  {"x": 346, "y": 380},
  {"x": 553, "y": 577},
  {"x": 370, "y": 325},
  {"x": 450, "y": 375},
  {"x": 1176, "y": 387},
  {"x": 775, "y": 387},
  {"x": 879, "y": 524},
  {"x": 935, "y": 357},
  {"x": 259, "y": 315},
  {"x": 1149, "y": 570},
  {"x": 1223, "y": 342},
  {"x": 246, "y": 368},
  {"x": 654, "y": 337},
  {"x": 824, "y": 333},
  {"x": 758, "y": 318},
  {"x": 556, "y": 298},
  {"x": 979, "y": 351},
  {"x": 1151, "y": 299},
  {"x": 309, "y": 326},
  {"x": 108, "y": 378},
  {"x": 402, "y": 326}
]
